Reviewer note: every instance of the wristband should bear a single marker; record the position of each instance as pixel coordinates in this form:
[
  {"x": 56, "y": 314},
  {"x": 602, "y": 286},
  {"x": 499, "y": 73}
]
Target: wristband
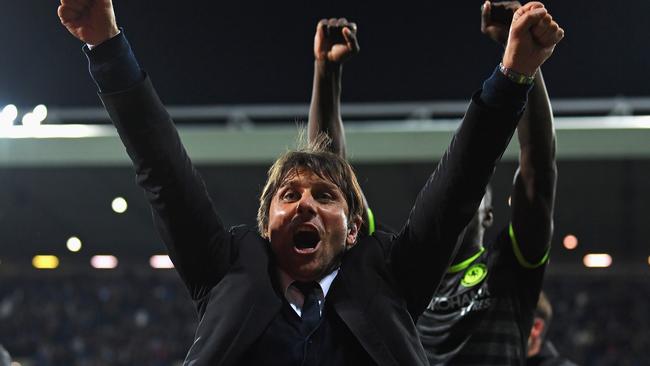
[{"x": 515, "y": 76}]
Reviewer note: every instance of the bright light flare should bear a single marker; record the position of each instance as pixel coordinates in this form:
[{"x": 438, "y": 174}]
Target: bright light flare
[
  {"x": 570, "y": 242},
  {"x": 600, "y": 260},
  {"x": 34, "y": 118},
  {"x": 45, "y": 261},
  {"x": 73, "y": 244},
  {"x": 119, "y": 205},
  {"x": 40, "y": 112},
  {"x": 103, "y": 261},
  {"x": 161, "y": 262},
  {"x": 8, "y": 116}
]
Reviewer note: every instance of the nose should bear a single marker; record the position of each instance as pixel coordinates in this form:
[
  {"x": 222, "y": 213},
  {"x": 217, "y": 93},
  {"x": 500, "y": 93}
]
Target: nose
[{"x": 306, "y": 205}]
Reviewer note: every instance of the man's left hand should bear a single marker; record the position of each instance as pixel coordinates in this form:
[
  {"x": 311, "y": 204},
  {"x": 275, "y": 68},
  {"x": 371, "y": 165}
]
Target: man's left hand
[
  {"x": 494, "y": 29},
  {"x": 335, "y": 40}
]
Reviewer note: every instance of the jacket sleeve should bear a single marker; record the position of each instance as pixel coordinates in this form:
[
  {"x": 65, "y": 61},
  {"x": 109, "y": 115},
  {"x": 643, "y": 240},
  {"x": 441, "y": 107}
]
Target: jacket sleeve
[
  {"x": 198, "y": 244},
  {"x": 424, "y": 248}
]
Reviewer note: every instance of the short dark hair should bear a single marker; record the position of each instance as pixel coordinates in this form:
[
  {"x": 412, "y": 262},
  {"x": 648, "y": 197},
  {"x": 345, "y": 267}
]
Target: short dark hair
[{"x": 316, "y": 159}]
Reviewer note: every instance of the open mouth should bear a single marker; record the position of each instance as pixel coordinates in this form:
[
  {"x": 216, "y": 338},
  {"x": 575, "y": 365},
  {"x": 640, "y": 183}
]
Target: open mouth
[{"x": 306, "y": 240}]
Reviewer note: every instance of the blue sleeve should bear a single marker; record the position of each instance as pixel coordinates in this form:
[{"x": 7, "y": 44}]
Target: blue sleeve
[
  {"x": 113, "y": 65},
  {"x": 501, "y": 92}
]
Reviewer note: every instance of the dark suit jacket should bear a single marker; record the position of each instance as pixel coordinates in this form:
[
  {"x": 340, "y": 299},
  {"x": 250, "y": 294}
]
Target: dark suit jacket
[{"x": 385, "y": 281}]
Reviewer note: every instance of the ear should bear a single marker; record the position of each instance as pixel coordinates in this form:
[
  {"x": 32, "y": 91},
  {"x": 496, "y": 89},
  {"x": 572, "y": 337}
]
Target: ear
[
  {"x": 488, "y": 220},
  {"x": 353, "y": 231},
  {"x": 538, "y": 328}
]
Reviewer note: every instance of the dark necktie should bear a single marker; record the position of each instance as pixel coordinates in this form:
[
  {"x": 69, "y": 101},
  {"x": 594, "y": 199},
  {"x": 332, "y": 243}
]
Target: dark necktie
[{"x": 310, "y": 309}]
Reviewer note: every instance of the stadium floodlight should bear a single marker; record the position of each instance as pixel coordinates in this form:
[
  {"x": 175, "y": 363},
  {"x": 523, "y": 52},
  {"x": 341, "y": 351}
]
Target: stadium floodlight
[
  {"x": 570, "y": 242},
  {"x": 119, "y": 205},
  {"x": 160, "y": 262},
  {"x": 8, "y": 116},
  {"x": 73, "y": 244},
  {"x": 103, "y": 261},
  {"x": 34, "y": 118},
  {"x": 40, "y": 112},
  {"x": 29, "y": 120},
  {"x": 45, "y": 261},
  {"x": 597, "y": 260}
]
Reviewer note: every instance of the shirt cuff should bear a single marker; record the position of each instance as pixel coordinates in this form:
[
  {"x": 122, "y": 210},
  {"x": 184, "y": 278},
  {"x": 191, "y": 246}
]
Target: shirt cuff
[
  {"x": 113, "y": 65},
  {"x": 502, "y": 93}
]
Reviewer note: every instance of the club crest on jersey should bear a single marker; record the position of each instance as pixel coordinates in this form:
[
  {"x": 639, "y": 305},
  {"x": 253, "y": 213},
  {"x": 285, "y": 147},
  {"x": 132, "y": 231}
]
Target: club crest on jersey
[{"x": 474, "y": 275}]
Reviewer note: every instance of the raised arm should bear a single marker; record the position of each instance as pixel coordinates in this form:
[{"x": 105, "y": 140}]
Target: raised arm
[
  {"x": 424, "y": 249},
  {"x": 533, "y": 193},
  {"x": 197, "y": 242},
  {"x": 334, "y": 43}
]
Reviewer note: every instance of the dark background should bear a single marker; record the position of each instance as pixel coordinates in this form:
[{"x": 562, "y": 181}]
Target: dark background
[{"x": 221, "y": 52}]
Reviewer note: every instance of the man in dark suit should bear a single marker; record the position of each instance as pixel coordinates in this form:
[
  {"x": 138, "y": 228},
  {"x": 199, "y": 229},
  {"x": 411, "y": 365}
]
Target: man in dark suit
[{"x": 301, "y": 289}]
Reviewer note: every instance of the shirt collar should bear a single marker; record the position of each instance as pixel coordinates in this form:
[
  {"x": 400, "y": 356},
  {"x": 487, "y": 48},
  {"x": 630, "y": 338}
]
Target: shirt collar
[{"x": 325, "y": 283}]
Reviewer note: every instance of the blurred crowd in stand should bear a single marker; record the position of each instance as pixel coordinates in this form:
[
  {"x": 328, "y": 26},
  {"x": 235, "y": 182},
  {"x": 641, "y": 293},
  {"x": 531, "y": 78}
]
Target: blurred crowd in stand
[{"x": 147, "y": 318}]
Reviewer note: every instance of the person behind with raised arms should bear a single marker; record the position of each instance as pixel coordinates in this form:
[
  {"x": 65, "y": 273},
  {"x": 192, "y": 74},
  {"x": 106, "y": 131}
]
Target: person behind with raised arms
[
  {"x": 304, "y": 288},
  {"x": 483, "y": 311}
]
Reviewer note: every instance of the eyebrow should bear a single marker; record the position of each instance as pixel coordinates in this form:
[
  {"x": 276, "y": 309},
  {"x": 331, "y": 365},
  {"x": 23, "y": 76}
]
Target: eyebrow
[{"x": 322, "y": 182}]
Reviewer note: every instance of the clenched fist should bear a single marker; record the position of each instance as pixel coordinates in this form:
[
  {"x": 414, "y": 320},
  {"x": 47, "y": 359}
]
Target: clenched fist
[
  {"x": 532, "y": 39},
  {"x": 335, "y": 40},
  {"x": 494, "y": 28},
  {"x": 91, "y": 21}
]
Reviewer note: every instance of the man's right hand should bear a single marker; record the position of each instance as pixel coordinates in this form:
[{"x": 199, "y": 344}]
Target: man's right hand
[
  {"x": 532, "y": 39},
  {"x": 91, "y": 21}
]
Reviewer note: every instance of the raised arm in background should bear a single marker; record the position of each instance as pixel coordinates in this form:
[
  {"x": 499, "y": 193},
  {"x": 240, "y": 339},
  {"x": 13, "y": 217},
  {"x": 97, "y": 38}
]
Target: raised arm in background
[
  {"x": 533, "y": 193},
  {"x": 334, "y": 43},
  {"x": 453, "y": 193}
]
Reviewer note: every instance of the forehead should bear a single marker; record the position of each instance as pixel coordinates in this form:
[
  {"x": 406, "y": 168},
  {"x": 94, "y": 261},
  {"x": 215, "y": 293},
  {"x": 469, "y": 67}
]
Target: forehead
[{"x": 306, "y": 177}]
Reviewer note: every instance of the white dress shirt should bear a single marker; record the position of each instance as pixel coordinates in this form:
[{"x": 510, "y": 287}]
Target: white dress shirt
[{"x": 295, "y": 297}]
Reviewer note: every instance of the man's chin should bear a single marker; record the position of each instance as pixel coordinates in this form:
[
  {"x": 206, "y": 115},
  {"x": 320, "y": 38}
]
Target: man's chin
[{"x": 305, "y": 272}]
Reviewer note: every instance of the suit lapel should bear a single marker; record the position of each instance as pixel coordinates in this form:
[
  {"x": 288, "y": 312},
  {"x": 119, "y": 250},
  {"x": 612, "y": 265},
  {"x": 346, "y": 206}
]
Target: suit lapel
[
  {"x": 266, "y": 304},
  {"x": 352, "y": 314}
]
